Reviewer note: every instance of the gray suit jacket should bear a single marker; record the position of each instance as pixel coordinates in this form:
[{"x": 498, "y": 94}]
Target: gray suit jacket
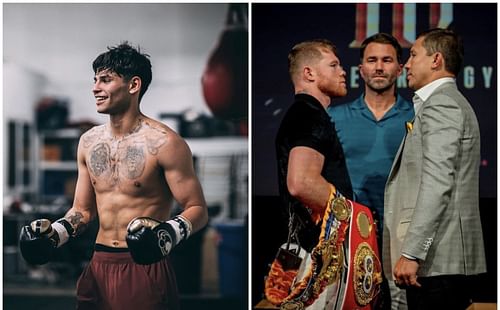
[{"x": 431, "y": 207}]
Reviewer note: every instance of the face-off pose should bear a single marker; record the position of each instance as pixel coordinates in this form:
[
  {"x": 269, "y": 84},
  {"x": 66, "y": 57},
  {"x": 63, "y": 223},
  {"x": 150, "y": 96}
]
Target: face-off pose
[
  {"x": 371, "y": 129},
  {"x": 130, "y": 170},
  {"x": 432, "y": 230}
]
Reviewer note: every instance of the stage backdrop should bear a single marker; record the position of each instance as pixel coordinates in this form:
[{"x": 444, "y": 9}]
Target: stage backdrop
[{"x": 277, "y": 27}]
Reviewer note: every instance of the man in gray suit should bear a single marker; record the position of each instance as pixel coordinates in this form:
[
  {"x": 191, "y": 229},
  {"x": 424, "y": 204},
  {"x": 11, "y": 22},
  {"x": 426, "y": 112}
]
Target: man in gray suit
[{"x": 432, "y": 235}]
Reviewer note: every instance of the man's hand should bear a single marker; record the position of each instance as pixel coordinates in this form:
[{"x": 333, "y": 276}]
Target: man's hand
[
  {"x": 39, "y": 240},
  {"x": 405, "y": 272},
  {"x": 150, "y": 240}
]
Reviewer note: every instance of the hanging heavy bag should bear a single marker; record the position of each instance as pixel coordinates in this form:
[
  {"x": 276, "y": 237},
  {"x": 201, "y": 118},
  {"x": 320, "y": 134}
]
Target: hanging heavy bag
[{"x": 225, "y": 78}]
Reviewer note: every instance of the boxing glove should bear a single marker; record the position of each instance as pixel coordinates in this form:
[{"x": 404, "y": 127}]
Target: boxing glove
[
  {"x": 150, "y": 240},
  {"x": 39, "y": 240}
]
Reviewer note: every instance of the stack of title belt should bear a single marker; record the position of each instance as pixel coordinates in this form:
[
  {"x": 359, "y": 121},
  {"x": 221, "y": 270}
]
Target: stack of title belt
[{"x": 346, "y": 257}]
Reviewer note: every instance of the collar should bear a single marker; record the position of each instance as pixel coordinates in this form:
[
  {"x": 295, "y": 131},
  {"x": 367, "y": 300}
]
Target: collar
[
  {"x": 426, "y": 91},
  {"x": 310, "y": 100},
  {"x": 360, "y": 103}
]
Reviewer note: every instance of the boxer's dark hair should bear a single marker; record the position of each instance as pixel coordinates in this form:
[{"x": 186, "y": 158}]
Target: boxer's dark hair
[
  {"x": 446, "y": 42},
  {"x": 127, "y": 62}
]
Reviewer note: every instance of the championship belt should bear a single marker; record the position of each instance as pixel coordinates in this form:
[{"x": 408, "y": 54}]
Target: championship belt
[
  {"x": 364, "y": 274},
  {"x": 352, "y": 264},
  {"x": 327, "y": 257}
]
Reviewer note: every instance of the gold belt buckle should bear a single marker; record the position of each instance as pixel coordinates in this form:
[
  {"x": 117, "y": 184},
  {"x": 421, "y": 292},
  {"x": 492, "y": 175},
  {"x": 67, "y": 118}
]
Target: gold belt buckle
[{"x": 340, "y": 208}]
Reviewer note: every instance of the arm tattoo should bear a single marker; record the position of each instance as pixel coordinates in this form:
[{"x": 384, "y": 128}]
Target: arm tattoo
[{"x": 76, "y": 221}]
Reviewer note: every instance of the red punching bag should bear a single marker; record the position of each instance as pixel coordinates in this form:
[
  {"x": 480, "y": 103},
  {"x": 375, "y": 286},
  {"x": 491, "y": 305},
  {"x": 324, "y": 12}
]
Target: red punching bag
[{"x": 225, "y": 79}]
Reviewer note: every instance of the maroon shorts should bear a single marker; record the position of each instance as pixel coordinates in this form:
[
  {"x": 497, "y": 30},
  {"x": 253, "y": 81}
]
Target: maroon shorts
[{"x": 113, "y": 281}]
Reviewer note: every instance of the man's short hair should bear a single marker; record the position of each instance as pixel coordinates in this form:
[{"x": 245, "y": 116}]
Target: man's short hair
[
  {"x": 382, "y": 38},
  {"x": 446, "y": 42},
  {"x": 307, "y": 52},
  {"x": 127, "y": 62}
]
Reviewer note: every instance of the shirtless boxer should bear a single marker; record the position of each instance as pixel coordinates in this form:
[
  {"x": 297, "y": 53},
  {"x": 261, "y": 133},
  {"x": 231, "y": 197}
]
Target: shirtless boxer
[{"x": 129, "y": 172}]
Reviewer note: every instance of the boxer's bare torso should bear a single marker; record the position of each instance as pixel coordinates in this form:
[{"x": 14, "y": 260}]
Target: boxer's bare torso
[{"x": 127, "y": 176}]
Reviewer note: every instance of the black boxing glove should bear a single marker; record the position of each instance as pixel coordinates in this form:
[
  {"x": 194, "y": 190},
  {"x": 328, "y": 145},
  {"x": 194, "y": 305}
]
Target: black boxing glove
[
  {"x": 150, "y": 240},
  {"x": 39, "y": 240}
]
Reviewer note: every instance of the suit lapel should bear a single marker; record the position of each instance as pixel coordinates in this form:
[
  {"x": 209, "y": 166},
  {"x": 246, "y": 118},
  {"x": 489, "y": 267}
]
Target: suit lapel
[{"x": 397, "y": 159}]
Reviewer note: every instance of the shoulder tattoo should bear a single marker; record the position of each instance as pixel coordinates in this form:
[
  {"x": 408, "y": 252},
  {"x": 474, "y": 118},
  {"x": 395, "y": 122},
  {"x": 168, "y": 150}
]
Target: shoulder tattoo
[
  {"x": 92, "y": 135},
  {"x": 155, "y": 139},
  {"x": 154, "y": 143}
]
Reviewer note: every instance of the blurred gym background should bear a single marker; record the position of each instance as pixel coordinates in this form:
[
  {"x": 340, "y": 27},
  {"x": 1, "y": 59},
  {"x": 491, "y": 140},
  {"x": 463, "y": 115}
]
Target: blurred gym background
[{"x": 199, "y": 54}]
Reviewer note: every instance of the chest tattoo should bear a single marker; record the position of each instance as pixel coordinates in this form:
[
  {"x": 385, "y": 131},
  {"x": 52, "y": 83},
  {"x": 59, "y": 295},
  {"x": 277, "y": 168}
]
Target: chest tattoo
[
  {"x": 134, "y": 162},
  {"x": 99, "y": 159},
  {"x": 118, "y": 161},
  {"x": 113, "y": 159}
]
